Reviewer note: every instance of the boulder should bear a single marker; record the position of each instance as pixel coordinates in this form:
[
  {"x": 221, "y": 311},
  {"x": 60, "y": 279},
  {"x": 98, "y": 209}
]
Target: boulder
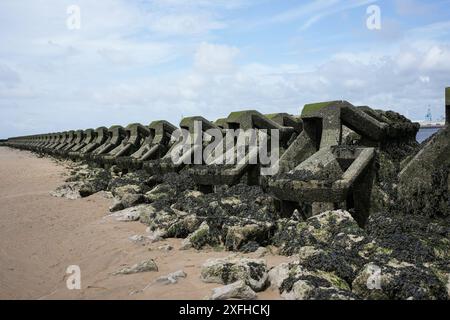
[
  {"x": 200, "y": 237},
  {"x": 171, "y": 278},
  {"x": 132, "y": 214},
  {"x": 160, "y": 192},
  {"x": 238, "y": 236},
  {"x": 97, "y": 181},
  {"x": 235, "y": 290},
  {"x": 144, "y": 266},
  {"x": 183, "y": 227},
  {"x": 70, "y": 190},
  {"x": 329, "y": 229},
  {"x": 231, "y": 269},
  {"x": 116, "y": 206},
  {"x": 400, "y": 281},
  {"x": 295, "y": 282},
  {"x": 131, "y": 200},
  {"x": 122, "y": 191},
  {"x": 315, "y": 259}
]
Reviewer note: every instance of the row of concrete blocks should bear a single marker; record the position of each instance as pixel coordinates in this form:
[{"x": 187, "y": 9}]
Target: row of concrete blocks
[
  {"x": 137, "y": 146},
  {"x": 315, "y": 166}
]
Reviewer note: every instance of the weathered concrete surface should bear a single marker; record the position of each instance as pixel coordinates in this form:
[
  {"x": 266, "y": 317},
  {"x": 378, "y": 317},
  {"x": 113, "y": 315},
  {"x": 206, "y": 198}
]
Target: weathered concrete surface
[{"x": 424, "y": 183}]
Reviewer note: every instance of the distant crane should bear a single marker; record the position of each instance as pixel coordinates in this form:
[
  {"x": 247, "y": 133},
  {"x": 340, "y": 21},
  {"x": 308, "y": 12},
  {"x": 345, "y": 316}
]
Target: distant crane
[{"x": 429, "y": 117}]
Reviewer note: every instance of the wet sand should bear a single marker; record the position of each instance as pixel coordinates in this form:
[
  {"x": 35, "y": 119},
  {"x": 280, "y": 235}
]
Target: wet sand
[{"x": 41, "y": 235}]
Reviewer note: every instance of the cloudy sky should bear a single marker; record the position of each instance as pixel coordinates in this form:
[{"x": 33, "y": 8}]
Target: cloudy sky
[{"x": 144, "y": 60}]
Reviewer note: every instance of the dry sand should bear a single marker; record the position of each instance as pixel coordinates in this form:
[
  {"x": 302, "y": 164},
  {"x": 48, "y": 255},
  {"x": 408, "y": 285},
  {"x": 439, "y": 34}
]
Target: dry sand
[{"x": 41, "y": 235}]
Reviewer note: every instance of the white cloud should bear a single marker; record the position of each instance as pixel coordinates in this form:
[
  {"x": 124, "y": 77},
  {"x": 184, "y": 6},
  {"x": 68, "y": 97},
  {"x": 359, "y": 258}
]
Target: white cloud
[
  {"x": 314, "y": 11},
  {"x": 160, "y": 60},
  {"x": 184, "y": 24},
  {"x": 215, "y": 58}
]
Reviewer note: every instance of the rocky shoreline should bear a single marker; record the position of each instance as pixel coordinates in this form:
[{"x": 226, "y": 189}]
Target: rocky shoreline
[{"x": 402, "y": 252}]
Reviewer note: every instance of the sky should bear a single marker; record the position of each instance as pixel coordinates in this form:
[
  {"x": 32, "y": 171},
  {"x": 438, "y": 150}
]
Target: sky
[{"x": 82, "y": 64}]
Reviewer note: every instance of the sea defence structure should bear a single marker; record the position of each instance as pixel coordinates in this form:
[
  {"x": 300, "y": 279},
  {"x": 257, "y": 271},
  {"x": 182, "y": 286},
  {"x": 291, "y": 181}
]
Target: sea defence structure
[
  {"x": 426, "y": 174},
  {"x": 207, "y": 176},
  {"x": 333, "y": 156},
  {"x": 165, "y": 164}
]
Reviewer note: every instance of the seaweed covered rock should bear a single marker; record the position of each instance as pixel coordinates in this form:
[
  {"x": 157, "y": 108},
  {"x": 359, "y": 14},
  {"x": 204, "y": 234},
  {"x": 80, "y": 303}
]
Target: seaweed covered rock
[
  {"x": 238, "y": 236},
  {"x": 183, "y": 227},
  {"x": 240, "y": 217},
  {"x": 410, "y": 238},
  {"x": 127, "y": 196},
  {"x": 69, "y": 190},
  {"x": 139, "y": 178},
  {"x": 85, "y": 181},
  {"x": 231, "y": 269},
  {"x": 331, "y": 261},
  {"x": 327, "y": 230},
  {"x": 201, "y": 237},
  {"x": 97, "y": 181},
  {"x": 295, "y": 282},
  {"x": 399, "y": 280}
]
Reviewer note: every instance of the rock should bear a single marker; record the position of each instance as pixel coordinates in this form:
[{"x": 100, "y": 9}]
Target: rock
[
  {"x": 125, "y": 190},
  {"x": 186, "y": 244},
  {"x": 448, "y": 286},
  {"x": 116, "y": 206},
  {"x": 131, "y": 200},
  {"x": 225, "y": 271},
  {"x": 128, "y": 196},
  {"x": 166, "y": 247},
  {"x": 97, "y": 181},
  {"x": 144, "y": 266},
  {"x": 278, "y": 274},
  {"x": 161, "y": 191},
  {"x": 237, "y": 236},
  {"x": 399, "y": 280},
  {"x": 115, "y": 170},
  {"x": 297, "y": 283},
  {"x": 193, "y": 194},
  {"x": 315, "y": 259},
  {"x": 126, "y": 215},
  {"x": 249, "y": 247},
  {"x": 329, "y": 229},
  {"x": 70, "y": 190},
  {"x": 261, "y": 252},
  {"x": 236, "y": 290},
  {"x": 132, "y": 214},
  {"x": 156, "y": 235},
  {"x": 305, "y": 290},
  {"x": 106, "y": 194},
  {"x": 183, "y": 227},
  {"x": 171, "y": 278},
  {"x": 158, "y": 219},
  {"x": 410, "y": 238},
  {"x": 137, "y": 238},
  {"x": 200, "y": 237},
  {"x": 142, "y": 239}
]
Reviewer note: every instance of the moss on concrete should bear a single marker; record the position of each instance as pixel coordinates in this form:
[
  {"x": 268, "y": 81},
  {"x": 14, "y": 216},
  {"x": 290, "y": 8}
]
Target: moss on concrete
[{"x": 313, "y": 107}]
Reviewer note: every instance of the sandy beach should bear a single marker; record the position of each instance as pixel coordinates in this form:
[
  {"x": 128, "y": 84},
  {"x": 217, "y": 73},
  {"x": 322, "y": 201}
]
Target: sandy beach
[{"x": 42, "y": 235}]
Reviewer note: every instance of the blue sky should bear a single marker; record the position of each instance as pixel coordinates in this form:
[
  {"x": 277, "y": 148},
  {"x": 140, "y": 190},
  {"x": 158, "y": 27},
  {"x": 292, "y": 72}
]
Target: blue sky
[{"x": 139, "y": 61}]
